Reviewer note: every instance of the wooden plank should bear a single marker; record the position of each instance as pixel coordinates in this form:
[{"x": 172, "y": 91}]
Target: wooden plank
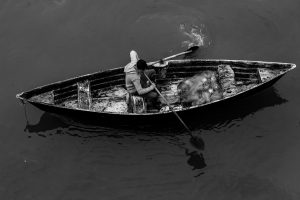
[
  {"x": 61, "y": 100},
  {"x": 107, "y": 79},
  {"x": 107, "y": 84},
  {"x": 65, "y": 89},
  {"x": 96, "y": 91},
  {"x": 191, "y": 68},
  {"x": 244, "y": 73},
  {"x": 178, "y": 75},
  {"x": 246, "y": 76},
  {"x": 65, "y": 94},
  {"x": 246, "y": 79}
]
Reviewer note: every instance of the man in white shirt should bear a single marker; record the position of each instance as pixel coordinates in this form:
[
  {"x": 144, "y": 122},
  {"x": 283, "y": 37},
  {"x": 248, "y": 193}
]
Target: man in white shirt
[{"x": 137, "y": 83}]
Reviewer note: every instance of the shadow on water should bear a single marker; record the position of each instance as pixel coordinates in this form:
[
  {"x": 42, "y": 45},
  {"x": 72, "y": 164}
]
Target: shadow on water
[
  {"x": 217, "y": 121},
  {"x": 47, "y": 122},
  {"x": 226, "y": 117}
]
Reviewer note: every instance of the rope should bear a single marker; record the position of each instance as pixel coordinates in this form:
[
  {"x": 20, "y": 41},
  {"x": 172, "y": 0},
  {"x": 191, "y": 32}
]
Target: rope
[{"x": 25, "y": 113}]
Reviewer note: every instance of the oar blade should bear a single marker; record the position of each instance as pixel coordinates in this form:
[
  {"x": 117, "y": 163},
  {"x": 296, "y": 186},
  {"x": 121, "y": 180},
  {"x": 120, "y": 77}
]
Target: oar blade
[{"x": 193, "y": 48}]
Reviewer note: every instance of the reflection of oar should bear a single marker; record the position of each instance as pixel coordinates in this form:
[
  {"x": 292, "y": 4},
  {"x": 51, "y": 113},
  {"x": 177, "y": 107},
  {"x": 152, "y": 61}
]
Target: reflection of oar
[
  {"x": 196, "y": 141},
  {"x": 189, "y": 50}
]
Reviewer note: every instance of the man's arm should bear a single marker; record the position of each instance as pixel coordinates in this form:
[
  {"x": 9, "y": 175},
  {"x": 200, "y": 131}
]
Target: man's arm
[{"x": 141, "y": 90}]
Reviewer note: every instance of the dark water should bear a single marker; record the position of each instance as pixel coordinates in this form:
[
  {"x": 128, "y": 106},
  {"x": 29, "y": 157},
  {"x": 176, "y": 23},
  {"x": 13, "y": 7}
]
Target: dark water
[{"x": 252, "y": 150}]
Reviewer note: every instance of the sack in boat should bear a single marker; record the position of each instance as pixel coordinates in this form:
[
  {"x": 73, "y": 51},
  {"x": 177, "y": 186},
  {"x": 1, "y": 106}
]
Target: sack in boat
[
  {"x": 227, "y": 80},
  {"x": 170, "y": 93},
  {"x": 199, "y": 89},
  {"x": 116, "y": 107}
]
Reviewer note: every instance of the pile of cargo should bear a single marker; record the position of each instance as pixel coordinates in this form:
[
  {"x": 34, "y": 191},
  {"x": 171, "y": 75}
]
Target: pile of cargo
[
  {"x": 199, "y": 89},
  {"x": 227, "y": 80},
  {"x": 110, "y": 100}
]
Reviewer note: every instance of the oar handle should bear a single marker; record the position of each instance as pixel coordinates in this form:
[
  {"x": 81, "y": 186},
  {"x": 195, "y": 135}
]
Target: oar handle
[
  {"x": 190, "y": 50},
  {"x": 166, "y": 101},
  {"x": 168, "y": 58},
  {"x": 179, "y": 54}
]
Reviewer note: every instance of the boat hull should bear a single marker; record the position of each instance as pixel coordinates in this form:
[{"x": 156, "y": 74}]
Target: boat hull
[{"x": 192, "y": 116}]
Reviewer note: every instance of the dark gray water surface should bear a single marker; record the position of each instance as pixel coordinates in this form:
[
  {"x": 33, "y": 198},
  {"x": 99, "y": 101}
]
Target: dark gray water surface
[{"x": 252, "y": 150}]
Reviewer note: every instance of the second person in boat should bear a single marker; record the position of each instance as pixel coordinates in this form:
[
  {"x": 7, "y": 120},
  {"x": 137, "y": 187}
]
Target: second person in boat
[{"x": 137, "y": 83}]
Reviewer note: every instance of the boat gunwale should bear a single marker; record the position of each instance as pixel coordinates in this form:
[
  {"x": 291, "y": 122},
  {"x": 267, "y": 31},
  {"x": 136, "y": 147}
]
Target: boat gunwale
[{"x": 179, "y": 61}]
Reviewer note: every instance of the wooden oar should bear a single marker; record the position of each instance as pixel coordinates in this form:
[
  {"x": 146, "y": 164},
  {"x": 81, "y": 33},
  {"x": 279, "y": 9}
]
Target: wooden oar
[
  {"x": 196, "y": 141},
  {"x": 189, "y": 50}
]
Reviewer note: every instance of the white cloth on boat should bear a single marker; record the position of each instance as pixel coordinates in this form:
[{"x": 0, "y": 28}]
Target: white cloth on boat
[{"x": 130, "y": 67}]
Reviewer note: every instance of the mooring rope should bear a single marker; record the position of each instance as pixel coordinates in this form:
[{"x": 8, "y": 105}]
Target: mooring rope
[{"x": 25, "y": 113}]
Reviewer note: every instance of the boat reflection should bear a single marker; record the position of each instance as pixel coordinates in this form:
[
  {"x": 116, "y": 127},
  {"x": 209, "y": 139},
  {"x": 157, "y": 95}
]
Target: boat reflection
[
  {"x": 47, "y": 122},
  {"x": 224, "y": 118}
]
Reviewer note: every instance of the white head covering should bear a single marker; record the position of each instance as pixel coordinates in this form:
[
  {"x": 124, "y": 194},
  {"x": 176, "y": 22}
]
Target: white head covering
[{"x": 129, "y": 68}]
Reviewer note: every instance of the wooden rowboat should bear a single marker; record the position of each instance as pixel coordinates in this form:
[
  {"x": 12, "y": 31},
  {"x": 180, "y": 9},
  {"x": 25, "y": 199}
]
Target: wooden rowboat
[{"x": 105, "y": 87}]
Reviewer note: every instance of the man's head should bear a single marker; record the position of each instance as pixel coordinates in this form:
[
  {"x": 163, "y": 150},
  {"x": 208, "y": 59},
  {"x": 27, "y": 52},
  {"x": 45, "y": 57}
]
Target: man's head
[{"x": 141, "y": 65}]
